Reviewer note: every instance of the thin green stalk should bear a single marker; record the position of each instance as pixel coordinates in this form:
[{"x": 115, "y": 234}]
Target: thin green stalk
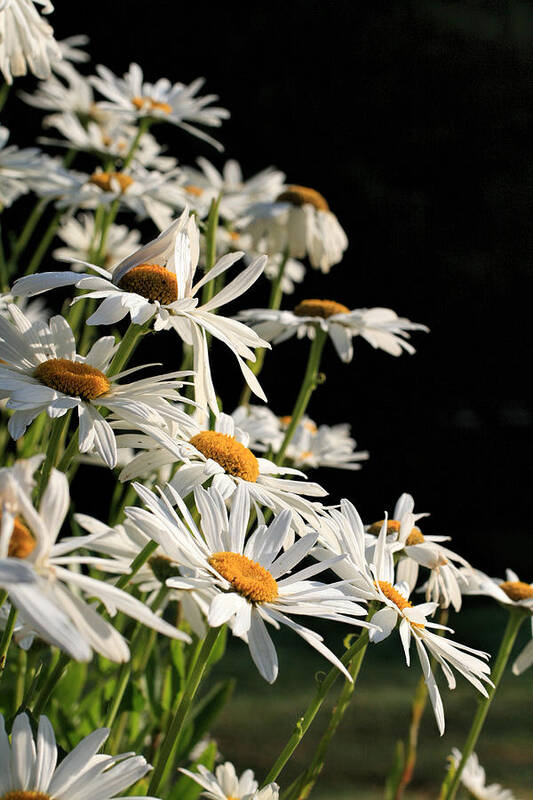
[
  {"x": 136, "y": 564},
  {"x": 20, "y": 682},
  {"x": 309, "y": 384},
  {"x": 453, "y": 776},
  {"x": 303, "y": 724},
  {"x": 4, "y": 93},
  {"x": 127, "y": 347},
  {"x": 276, "y": 295},
  {"x": 3, "y": 597},
  {"x": 44, "y": 244},
  {"x": 306, "y": 783},
  {"x": 172, "y": 736},
  {"x": 57, "y": 436},
  {"x": 50, "y": 684},
  {"x": 70, "y": 452},
  {"x": 211, "y": 247},
  {"x": 30, "y": 443},
  {"x": 7, "y": 635},
  {"x": 27, "y": 231}
]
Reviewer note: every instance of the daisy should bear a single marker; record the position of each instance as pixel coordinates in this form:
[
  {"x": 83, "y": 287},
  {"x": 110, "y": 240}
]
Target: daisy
[
  {"x": 15, "y": 167},
  {"x": 511, "y": 593},
  {"x": 473, "y": 779},
  {"x": 34, "y": 310},
  {"x": 160, "y": 101},
  {"x": 293, "y": 272},
  {"x": 417, "y": 549},
  {"x": 263, "y": 428},
  {"x": 79, "y": 236},
  {"x": 375, "y": 581},
  {"x": 225, "y": 784},
  {"x": 247, "y": 578},
  {"x": 236, "y": 194},
  {"x": 41, "y": 371},
  {"x": 315, "y": 446},
  {"x": 381, "y": 327},
  {"x": 70, "y": 48},
  {"x": 156, "y": 282},
  {"x": 52, "y": 602},
  {"x": 72, "y": 94},
  {"x": 222, "y": 457},
  {"x": 298, "y": 220},
  {"x": 29, "y": 766},
  {"x": 26, "y": 40}
]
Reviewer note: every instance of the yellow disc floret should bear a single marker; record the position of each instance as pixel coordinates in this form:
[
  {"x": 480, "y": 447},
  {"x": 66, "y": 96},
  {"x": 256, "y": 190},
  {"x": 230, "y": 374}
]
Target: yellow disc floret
[
  {"x": 415, "y": 537},
  {"x": 394, "y": 595},
  {"x": 320, "y": 308},
  {"x": 393, "y": 526},
  {"x": 148, "y": 103},
  {"x": 24, "y": 794},
  {"x": 151, "y": 281},
  {"x": 303, "y": 195},
  {"x": 236, "y": 459},
  {"x": 21, "y": 543},
  {"x": 72, "y": 378},
  {"x": 517, "y": 590},
  {"x": 105, "y": 181},
  {"x": 246, "y": 576}
]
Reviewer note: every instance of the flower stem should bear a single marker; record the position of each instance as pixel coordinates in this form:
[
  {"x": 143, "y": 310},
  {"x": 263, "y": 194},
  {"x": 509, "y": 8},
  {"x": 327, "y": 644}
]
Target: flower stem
[
  {"x": 49, "y": 685},
  {"x": 44, "y": 244},
  {"x": 309, "y": 384},
  {"x": 453, "y": 776},
  {"x": 172, "y": 736},
  {"x": 7, "y": 636},
  {"x": 211, "y": 247},
  {"x": 302, "y": 725},
  {"x": 57, "y": 436},
  {"x": 127, "y": 347}
]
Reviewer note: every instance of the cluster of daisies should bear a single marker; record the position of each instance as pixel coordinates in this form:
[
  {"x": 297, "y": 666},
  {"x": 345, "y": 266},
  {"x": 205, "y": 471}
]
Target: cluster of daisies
[{"x": 214, "y": 521}]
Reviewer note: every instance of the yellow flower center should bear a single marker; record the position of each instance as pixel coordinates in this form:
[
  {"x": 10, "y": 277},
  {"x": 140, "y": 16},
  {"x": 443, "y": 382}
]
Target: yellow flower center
[
  {"x": 415, "y": 537},
  {"x": 21, "y": 543},
  {"x": 398, "y": 599},
  {"x": 320, "y": 308},
  {"x": 149, "y": 103},
  {"x": 236, "y": 459},
  {"x": 104, "y": 180},
  {"x": 308, "y": 425},
  {"x": 72, "y": 378},
  {"x": 193, "y": 190},
  {"x": 303, "y": 195},
  {"x": 517, "y": 590},
  {"x": 246, "y": 576},
  {"x": 393, "y": 526},
  {"x": 306, "y": 454},
  {"x": 22, "y": 794},
  {"x": 151, "y": 281}
]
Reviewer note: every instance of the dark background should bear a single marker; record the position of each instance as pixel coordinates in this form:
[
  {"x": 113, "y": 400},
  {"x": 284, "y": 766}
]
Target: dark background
[{"x": 414, "y": 119}]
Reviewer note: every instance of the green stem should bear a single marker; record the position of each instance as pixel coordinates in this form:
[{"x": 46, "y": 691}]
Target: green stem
[
  {"x": 136, "y": 564},
  {"x": 302, "y": 725},
  {"x": 4, "y": 93},
  {"x": 127, "y": 347},
  {"x": 3, "y": 597},
  {"x": 59, "y": 430},
  {"x": 309, "y": 384},
  {"x": 172, "y": 736},
  {"x": 306, "y": 783},
  {"x": 50, "y": 684},
  {"x": 44, "y": 244},
  {"x": 69, "y": 454},
  {"x": 29, "y": 227},
  {"x": 453, "y": 776},
  {"x": 7, "y": 636}
]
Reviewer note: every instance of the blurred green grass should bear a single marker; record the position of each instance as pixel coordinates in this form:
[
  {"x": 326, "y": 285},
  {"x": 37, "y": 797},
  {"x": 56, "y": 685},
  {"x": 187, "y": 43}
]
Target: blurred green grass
[{"x": 257, "y": 723}]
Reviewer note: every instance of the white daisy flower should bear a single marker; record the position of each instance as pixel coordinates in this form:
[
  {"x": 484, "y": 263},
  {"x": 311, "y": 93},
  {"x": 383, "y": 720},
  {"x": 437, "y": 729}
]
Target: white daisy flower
[
  {"x": 29, "y": 768},
  {"x": 380, "y": 327},
  {"x": 222, "y": 457},
  {"x": 511, "y": 593},
  {"x": 156, "y": 282},
  {"x": 421, "y": 550},
  {"x": 19, "y": 475},
  {"x": 79, "y": 235},
  {"x": 16, "y": 166},
  {"x": 375, "y": 581},
  {"x": 263, "y": 428},
  {"x": 474, "y": 780},
  {"x": 315, "y": 446},
  {"x": 52, "y": 602},
  {"x": 73, "y": 94},
  {"x": 123, "y": 543},
  {"x": 41, "y": 371},
  {"x": 33, "y": 310},
  {"x": 236, "y": 194},
  {"x": 246, "y": 577},
  {"x": 225, "y": 784},
  {"x": 300, "y": 221},
  {"x": 70, "y": 49},
  {"x": 26, "y": 40},
  {"x": 293, "y": 272},
  {"x": 162, "y": 101}
]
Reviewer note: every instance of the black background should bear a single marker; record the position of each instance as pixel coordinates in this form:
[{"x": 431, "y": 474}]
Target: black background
[{"x": 414, "y": 119}]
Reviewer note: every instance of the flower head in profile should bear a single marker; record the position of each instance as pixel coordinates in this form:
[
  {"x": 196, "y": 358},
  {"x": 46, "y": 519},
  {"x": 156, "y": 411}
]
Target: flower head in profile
[
  {"x": 16, "y": 167},
  {"x": 299, "y": 222},
  {"x": 29, "y": 768},
  {"x": 26, "y": 39},
  {"x": 78, "y": 235},
  {"x": 225, "y": 784},
  {"x": 161, "y": 101},
  {"x": 156, "y": 282},
  {"x": 41, "y": 371},
  {"x": 50, "y": 601},
  {"x": 253, "y": 585},
  {"x": 473, "y": 778},
  {"x": 380, "y": 327},
  {"x": 220, "y": 455}
]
